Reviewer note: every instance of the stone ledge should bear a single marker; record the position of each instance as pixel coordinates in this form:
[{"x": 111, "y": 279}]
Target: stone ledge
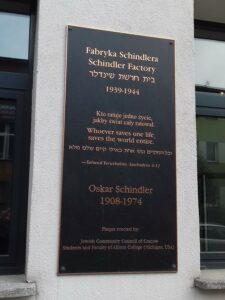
[
  {"x": 209, "y": 284},
  {"x": 16, "y": 286}
]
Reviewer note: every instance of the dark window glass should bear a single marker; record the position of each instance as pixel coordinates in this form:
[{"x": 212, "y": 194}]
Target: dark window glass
[
  {"x": 17, "y": 27},
  {"x": 211, "y": 151},
  {"x": 211, "y": 172},
  {"x": 6, "y": 170},
  {"x": 1, "y": 146},
  {"x": 11, "y": 147}
]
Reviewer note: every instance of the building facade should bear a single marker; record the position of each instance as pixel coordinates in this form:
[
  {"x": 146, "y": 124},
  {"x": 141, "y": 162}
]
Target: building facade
[{"x": 173, "y": 20}]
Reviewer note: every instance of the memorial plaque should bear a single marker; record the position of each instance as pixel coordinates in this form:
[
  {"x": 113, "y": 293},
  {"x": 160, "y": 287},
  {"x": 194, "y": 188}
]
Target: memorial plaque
[{"x": 119, "y": 174}]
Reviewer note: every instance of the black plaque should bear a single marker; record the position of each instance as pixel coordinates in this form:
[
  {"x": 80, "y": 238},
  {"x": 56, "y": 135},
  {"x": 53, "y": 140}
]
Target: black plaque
[{"x": 119, "y": 174}]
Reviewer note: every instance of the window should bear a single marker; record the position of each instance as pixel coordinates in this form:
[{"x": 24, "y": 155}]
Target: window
[
  {"x": 7, "y": 129},
  {"x": 210, "y": 102},
  {"x": 14, "y": 35},
  {"x": 16, "y": 59},
  {"x": 211, "y": 151}
]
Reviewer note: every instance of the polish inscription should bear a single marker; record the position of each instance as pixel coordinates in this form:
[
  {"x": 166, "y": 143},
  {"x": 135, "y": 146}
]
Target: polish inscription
[
  {"x": 144, "y": 73},
  {"x": 119, "y": 183}
]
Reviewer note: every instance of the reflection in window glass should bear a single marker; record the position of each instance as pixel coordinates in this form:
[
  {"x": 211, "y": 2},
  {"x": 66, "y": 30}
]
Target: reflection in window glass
[
  {"x": 14, "y": 35},
  {"x": 211, "y": 151},
  {"x": 211, "y": 173},
  {"x": 7, "y": 134},
  {"x": 210, "y": 63}
]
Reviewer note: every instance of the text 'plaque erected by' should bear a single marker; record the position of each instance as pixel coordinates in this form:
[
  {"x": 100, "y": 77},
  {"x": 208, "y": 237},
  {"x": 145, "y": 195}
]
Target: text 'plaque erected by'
[{"x": 119, "y": 171}]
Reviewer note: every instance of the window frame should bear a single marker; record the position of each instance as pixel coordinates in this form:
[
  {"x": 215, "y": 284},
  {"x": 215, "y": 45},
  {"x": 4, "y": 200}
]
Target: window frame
[
  {"x": 207, "y": 107},
  {"x": 16, "y": 83}
]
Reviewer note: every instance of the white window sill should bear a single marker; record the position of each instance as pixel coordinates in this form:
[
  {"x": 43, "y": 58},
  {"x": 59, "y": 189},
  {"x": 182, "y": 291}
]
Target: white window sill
[
  {"x": 15, "y": 286},
  {"x": 211, "y": 280}
]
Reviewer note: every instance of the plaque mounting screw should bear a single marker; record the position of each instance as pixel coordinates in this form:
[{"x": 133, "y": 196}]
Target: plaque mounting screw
[{"x": 63, "y": 268}]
